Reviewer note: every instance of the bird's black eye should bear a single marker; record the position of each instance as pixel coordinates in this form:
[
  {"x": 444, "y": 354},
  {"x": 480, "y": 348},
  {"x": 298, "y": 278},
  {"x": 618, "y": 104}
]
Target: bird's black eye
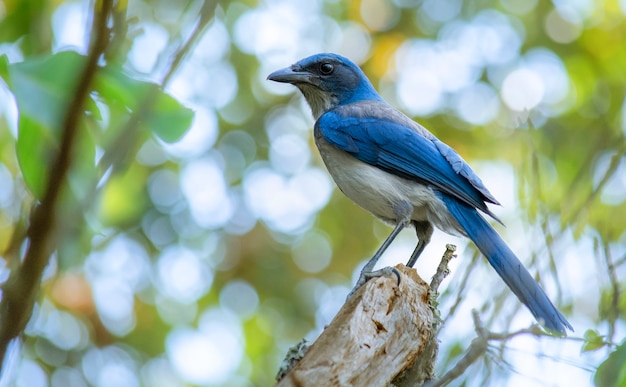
[{"x": 326, "y": 68}]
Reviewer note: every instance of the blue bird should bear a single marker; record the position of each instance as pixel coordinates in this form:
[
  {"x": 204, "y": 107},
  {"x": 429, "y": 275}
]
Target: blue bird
[{"x": 400, "y": 172}]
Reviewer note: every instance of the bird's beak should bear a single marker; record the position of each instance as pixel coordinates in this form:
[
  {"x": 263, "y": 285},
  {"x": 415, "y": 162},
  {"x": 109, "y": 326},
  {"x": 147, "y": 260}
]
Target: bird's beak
[{"x": 290, "y": 75}]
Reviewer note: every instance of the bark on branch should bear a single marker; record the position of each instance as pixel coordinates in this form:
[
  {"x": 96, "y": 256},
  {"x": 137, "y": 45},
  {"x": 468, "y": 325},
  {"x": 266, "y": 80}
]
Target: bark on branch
[{"x": 382, "y": 334}]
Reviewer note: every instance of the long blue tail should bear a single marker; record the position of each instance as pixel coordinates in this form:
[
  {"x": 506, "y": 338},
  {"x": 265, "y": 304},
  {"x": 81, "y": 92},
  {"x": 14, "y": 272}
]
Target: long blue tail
[{"x": 510, "y": 269}]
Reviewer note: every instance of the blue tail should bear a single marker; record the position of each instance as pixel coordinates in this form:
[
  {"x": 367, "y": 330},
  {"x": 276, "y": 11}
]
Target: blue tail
[{"x": 510, "y": 269}]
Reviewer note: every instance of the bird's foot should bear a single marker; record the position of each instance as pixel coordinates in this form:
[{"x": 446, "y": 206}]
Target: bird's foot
[{"x": 367, "y": 275}]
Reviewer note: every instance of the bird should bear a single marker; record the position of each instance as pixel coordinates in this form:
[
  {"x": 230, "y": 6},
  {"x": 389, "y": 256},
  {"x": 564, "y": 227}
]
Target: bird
[{"x": 401, "y": 173}]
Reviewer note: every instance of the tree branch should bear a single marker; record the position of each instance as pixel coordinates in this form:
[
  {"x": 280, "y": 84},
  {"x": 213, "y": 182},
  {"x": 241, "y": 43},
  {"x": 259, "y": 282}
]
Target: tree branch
[
  {"x": 478, "y": 348},
  {"x": 20, "y": 290},
  {"x": 414, "y": 374},
  {"x": 442, "y": 272},
  {"x": 381, "y": 331}
]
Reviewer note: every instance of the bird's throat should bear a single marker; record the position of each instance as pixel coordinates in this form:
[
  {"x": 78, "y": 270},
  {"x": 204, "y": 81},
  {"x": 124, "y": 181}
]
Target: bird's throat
[{"x": 319, "y": 101}]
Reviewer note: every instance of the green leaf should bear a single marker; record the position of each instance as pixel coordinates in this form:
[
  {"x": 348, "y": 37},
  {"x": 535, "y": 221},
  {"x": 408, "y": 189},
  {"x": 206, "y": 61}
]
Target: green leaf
[
  {"x": 170, "y": 120},
  {"x": 43, "y": 88},
  {"x": 593, "y": 341},
  {"x": 612, "y": 373},
  {"x": 36, "y": 147},
  {"x": 116, "y": 88},
  {"x": 167, "y": 118}
]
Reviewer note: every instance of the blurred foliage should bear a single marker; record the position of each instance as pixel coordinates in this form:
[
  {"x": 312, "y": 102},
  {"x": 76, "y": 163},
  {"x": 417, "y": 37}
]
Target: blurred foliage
[
  {"x": 198, "y": 236},
  {"x": 593, "y": 341},
  {"x": 612, "y": 371}
]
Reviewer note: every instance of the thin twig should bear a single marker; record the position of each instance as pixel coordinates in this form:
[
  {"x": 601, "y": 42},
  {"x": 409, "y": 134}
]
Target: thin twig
[
  {"x": 462, "y": 286},
  {"x": 20, "y": 291},
  {"x": 611, "y": 170},
  {"x": 620, "y": 261},
  {"x": 442, "y": 269},
  {"x": 206, "y": 15},
  {"x": 420, "y": 371},
  {"x": 120, "y": 147},
  {"x": 479, "y": 347},
  {"x": 537, "y": 199},
  {"x": 442, "y": 272},
  {"x": 613, "y": 312}
]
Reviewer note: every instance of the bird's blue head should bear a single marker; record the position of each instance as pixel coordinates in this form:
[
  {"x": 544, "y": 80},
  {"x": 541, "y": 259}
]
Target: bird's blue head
[{"x": 327, "y": 81}]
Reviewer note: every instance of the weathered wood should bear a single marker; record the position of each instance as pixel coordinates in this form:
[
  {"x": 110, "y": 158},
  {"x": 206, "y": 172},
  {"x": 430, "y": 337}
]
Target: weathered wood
[{"x": 376, "y": 336}]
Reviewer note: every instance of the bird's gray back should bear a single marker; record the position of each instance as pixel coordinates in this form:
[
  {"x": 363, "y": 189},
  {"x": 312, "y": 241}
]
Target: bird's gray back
[{"x": 382, "y": 111}]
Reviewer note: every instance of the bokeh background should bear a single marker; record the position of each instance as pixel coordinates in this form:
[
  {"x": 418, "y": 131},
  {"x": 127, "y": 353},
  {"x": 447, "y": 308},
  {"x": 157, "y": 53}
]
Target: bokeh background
[{"x": 199, "y": 248}]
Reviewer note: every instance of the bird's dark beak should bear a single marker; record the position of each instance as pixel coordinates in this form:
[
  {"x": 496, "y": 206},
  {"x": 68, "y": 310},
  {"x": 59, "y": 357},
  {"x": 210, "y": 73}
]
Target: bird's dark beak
[{"x": 290, "y": 75}]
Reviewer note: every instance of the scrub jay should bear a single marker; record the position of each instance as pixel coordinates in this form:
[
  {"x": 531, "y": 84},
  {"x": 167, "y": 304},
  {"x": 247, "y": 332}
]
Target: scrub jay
[{"x": 400, "y": 172}]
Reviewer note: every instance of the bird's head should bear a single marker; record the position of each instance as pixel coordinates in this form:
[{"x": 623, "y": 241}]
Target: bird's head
[{"x": 327, "y": 81}]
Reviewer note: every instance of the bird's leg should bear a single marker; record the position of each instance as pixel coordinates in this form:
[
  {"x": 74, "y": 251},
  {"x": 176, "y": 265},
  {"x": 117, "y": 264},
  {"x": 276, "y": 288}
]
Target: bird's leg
[
  {"x": 403, "y": 211},
  {"x": 424, "y": 231}
]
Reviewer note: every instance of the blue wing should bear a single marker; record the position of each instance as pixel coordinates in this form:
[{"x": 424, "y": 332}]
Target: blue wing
[{"x": 404, "y": 152}]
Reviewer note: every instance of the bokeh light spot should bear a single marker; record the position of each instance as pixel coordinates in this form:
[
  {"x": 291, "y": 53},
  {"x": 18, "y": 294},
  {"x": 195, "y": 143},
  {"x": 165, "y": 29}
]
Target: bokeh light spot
[
  {"x": 114, "y": 300},
  {"x": 289, "y": 153},
  {"x": 575, "y": 11},
  {"x": 210, "y": 354},
  {"x": 30, "y": 374},
  {"x": 522, "y": 89},
  {"x": 478, "y": 104},
  {"x": 117, "y": 374},
  {"x": 69, "y": 23},
  {"x": 441, "y": 10},
  {"x": 240, "y": 297},
  {"x": 561, "y": 30},
  {"x": 312, "y": 254},
  {"x": 199, "y": 138},
  {"x": 147, "y": 47},
  {"x": 109, "y": 366},
  {"x": 159, "y": 372},
  {"x": 549, "y": 67},
  {"x": 355, "y": 42},
  {"x": 286, "y": 204},
  {"x": 379, "y": 15},
  {"x": 163, "y": 188},
  {"x": 6, "y": 187},
  {"x": 67, "y": 377},
  {"x": 420, "y": 93},
  {"x": 206, "y": 192},
  {"x": 182, "y": 275},
  {"x": 151, "y": 153}
]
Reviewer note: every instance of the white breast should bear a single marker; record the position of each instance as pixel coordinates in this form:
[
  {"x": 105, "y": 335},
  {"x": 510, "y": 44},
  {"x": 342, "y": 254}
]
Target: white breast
[{"x": 378, "y": 191}]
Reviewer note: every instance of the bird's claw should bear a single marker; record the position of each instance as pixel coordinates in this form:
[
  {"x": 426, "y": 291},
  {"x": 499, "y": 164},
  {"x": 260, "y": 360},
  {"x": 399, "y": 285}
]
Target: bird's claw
[
  {"x": 366, "y": 276},
  {"x": 385, "y": 271}
]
